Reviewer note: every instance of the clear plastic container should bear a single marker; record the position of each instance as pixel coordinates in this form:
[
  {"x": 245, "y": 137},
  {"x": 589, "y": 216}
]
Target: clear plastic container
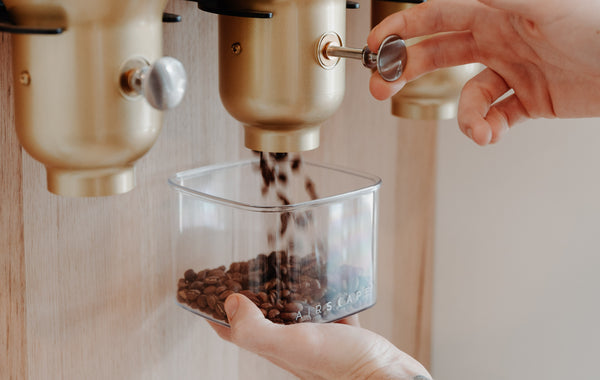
[{"x": 301, "y": 245}]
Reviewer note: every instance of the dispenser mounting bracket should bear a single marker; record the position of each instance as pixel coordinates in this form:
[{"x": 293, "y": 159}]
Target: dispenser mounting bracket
[
  {"x": 7, "y": 24},
  {"x": 221, "y": 7}
]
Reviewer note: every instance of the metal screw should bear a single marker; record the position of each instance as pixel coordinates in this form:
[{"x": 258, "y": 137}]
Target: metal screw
[
  {"x": 24, "y": 78},
  {"x": 236, "y": 48}
]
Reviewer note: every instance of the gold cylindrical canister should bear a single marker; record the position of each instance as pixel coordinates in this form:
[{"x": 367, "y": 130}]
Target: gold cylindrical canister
[
  {"x": 269, "y": 75},
  {"x": 434, "y": 96},
  {"x": 70, "y": 113}
]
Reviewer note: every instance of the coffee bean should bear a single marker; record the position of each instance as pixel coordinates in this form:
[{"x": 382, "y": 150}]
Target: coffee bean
[
  {"x": 234, "y": 267},
  {"x": 211, "y": 289},
  {"x": 284, "y": 222},
  {"x": 233, "y": 285},
  {"x": 192, "y": 294},
  {"x": 279, "y": 156},
  {"x": 211, "y": 300},
  {"x": 201, "y": 301},
  {"x": 273, "y": 313},
  {"x": 197, "y": 285},
  {"x": 288, "y": 316},
  {"x": 221, "y": 289},
  {"x": 296, "y": 163},
  {"x": 263, "y": 297},
  {"x": 293, "y": 307},
  {"x": 310, "y": 189},
  {"x": 223, "y": 296},
  {"x": 182, "y": 284},
  {"x": 190, "y": 275},
  {"x": 212, "y": 280}
]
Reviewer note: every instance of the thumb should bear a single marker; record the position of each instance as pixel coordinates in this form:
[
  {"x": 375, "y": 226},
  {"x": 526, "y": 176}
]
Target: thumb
[{"x": 249, "y": 327}]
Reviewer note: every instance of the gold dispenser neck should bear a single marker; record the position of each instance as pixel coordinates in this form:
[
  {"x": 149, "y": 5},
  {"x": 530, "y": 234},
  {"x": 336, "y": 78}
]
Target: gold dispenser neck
[
  {"x": 90, "y": 183},
  {"x": 281, "y": 140}
]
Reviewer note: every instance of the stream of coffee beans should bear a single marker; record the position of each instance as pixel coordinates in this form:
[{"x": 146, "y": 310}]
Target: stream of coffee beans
[{"x": 287, "y": 288}]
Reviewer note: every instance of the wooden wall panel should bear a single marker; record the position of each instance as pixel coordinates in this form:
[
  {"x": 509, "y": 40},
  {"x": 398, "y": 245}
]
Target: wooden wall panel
[
  {"x": 98, "y": 302},
  {"x": 13, "y": 332}
]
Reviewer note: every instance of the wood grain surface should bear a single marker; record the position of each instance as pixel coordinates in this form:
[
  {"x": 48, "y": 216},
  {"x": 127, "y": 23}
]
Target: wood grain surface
[{"x": 86, "y": 284}]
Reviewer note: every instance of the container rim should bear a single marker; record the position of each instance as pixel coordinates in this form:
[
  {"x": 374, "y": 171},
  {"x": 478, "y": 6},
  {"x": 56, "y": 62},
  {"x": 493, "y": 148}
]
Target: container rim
[{"x": 173, "y": 181}]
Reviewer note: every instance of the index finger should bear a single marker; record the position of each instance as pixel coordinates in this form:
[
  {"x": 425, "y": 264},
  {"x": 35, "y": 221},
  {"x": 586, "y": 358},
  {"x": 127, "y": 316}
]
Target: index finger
[{"x": 433, "y": 16}]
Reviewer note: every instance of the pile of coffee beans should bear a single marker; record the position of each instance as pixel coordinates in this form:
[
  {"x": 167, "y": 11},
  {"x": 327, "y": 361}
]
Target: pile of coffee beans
[{"x": 287, "y": 289}]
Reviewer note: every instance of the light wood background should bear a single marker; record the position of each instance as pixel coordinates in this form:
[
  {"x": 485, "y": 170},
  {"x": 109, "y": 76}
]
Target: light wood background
[{"x": 85, "y": 284}]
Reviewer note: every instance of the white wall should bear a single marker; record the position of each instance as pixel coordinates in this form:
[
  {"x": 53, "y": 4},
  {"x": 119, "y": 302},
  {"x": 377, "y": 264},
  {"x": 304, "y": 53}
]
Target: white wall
[{"x": 517, "y": 254}]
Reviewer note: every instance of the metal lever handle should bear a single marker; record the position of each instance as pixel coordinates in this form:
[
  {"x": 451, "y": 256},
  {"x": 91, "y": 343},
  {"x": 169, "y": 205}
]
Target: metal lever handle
[
  {"x": 162, "y": 83},
  {"x": 390, "y": 60}
]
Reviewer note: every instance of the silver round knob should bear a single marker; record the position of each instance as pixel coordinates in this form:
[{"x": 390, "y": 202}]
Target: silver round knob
[
  {"x": 162, "y": 83},
  {"x": 391, "y": 58}
]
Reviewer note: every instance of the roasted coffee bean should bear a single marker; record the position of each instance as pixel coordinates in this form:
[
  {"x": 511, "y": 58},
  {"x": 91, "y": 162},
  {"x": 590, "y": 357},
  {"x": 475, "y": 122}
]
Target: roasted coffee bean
[
  {"x": 266, "y": 305},
  {"x": 211, "y": 289},
  {"x": 197, "y": 285},
  {"x": 181, "y": 296},
  {"x": 190, "y": 275},
  {"x": 182, "y": 284},
  {"x": 212, "y": 280},
  {"x": 221, "y": 289},
  {"x": 220, "y": 311},
  {"x": 192, "y": 294},
  {"x": 219, "y": 272},
  {"x": 234, "y": 267},
  {"x": 279, "y": 156},
  {"x": 233, "y": 285},
  {"x": 223, "y": 296},
  {"x": 201, "y": 301},
  {"x": 296, "y": 163},
  {"x": 211, "y": 301},
  {"x": 263, "y": 297},
  {"x": 202, "y": 275},
  {"x": 264, "y": 312},
  {"x": 273, "y": 313},
  {"x": 284, "y": 217},
  {"x": 293, "y": 307},
  {"x": 288, "y": 316},
  {"x": 283, "y": 198},
  {"x": 310, "y": 189}
]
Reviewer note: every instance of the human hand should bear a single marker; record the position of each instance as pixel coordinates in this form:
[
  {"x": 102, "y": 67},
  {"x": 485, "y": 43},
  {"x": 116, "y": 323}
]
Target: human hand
[
  {"x": 546, "y": 51},
  {"x": 317, "y": 351}
]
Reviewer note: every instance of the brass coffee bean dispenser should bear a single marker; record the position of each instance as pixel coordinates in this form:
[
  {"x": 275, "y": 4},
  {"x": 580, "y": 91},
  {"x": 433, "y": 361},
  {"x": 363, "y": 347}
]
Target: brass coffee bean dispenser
[
  {"x": 433, "y": 96},
  {"x": 280, "y": 72},
  {"x": 90, "y": 85}
]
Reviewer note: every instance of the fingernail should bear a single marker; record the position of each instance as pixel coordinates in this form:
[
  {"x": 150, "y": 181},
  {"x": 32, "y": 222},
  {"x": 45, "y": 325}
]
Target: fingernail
[
  {"x": 469, "y": 133},
  {"x": 231, "y": 306}
]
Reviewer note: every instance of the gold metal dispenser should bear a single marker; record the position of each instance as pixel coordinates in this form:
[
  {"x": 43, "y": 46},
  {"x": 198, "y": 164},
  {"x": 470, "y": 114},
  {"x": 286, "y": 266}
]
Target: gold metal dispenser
[
  {"x": 88, "y": 97},
  {"x": 280, "y": 73},
  {"x": 433, "y": 96}
]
